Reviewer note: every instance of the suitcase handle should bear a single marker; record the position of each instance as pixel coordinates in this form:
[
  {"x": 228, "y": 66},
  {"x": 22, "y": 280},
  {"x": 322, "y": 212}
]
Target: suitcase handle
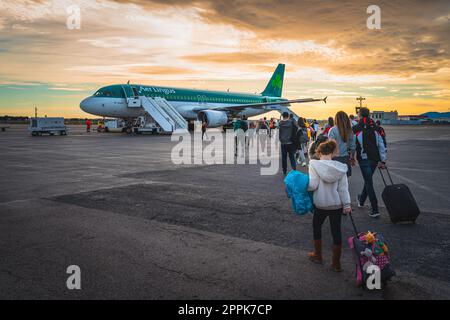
[
  {"x": 353, "y": 224},
  {"x": 382, "y": 176}
]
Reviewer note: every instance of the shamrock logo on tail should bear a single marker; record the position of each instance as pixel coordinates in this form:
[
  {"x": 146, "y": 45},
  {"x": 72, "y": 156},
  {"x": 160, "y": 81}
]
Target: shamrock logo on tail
[{"x": 276, "y": 83}]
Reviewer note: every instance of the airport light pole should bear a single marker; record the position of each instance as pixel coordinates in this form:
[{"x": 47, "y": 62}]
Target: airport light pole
[{"x": 360, "y": 99}]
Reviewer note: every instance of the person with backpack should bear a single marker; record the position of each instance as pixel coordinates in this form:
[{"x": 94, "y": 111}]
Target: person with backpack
[
  {"x": 315, "y": 126},
  {"x": 371, "y": 153},
  {"x": 287, "y": 136},
  {"x": 262, "y": 130},
  {"x": 237, "y": 127},
  {"x": 302, "y": 138},
  {"x": 342, "y": 133},
  {"x": 271, "y": 126},
  {"x": 331, "y": 199},
  {"x": 204, "y": 125},
  {"x": 251, "y": 133},
  {"x": 328, "y": 126},
  {"x": 313, "y": 148},
  {"x": 244, "y": 124},
  {"x": 353, "y": 121}
]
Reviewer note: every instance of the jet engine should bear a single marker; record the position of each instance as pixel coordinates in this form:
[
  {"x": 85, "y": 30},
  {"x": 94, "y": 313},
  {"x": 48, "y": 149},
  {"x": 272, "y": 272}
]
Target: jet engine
[{"x": 213, "y": 118}]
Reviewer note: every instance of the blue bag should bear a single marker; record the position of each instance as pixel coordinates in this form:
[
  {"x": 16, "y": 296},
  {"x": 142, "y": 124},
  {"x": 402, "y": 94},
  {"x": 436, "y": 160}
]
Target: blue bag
[{"x": 297, "y": 189}]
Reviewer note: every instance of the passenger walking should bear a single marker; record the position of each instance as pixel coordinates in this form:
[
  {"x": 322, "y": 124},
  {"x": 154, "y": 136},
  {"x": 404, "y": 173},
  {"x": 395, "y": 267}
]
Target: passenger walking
[
  {"x": 204, "y": 125},
  {"x": 237, "y": 124},
  {"x": 245, "y": 127},
  {"x": 353, "y": 121},
  {"x": 251, "y": 133},
  {"x": 315, "y": 126},
  {"x": 262, "y": 130},
  {"x": 331, "y": 198},
  {"x": 314, "y": 145},
  {"x": 302, "y": 138},
  {"x": 287, "y": 133},
  {"x": 271, "y": 126},
  {"x": 309, "y": 130},
  {"x": 328, "y": 126},
  {"x": 342, "y": 133},
  {"x": 371, "y": 153}
]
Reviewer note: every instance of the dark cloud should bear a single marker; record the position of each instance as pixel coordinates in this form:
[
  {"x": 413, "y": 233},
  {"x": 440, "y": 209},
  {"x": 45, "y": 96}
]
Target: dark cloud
[{"x": 415, "y": 35}]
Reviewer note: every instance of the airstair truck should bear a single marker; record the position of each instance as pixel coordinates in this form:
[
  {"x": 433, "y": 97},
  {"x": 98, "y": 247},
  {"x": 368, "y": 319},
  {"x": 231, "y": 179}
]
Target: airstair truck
[{"x": 51, "y": 126}]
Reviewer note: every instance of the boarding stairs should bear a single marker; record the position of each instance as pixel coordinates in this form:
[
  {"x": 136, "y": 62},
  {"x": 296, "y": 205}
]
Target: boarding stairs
[{"x": 168, "y": 118}]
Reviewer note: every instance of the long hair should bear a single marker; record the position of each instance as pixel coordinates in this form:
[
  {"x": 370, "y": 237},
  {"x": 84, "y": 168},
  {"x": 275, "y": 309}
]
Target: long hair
[
  {"x": 344, "y": 126},
  {"x": 301, "y": 122}
]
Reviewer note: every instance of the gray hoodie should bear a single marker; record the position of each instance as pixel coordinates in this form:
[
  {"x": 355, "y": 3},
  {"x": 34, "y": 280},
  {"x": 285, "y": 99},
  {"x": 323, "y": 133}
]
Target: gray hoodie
[
  {"x": 286, "y": 128},
  {"x": 328, "y": 180}
]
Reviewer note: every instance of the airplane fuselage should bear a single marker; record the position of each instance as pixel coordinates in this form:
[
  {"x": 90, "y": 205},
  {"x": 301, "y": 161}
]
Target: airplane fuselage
[{"x": 111, "y": 101}]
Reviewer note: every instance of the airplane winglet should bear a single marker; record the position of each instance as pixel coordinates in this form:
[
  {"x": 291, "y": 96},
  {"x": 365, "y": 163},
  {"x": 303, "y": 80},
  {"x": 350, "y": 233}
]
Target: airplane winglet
[{"x": 325, "y": 100}]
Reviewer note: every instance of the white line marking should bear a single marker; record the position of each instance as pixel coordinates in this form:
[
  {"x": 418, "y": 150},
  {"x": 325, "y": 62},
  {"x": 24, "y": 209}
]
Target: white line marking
[{"x": 421, "y": 186}]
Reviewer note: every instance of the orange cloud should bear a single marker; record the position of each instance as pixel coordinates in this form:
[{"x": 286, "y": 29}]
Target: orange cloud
[{"x": 218, "y": 44}]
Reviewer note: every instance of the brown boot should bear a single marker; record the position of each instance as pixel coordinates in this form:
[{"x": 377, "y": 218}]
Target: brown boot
[
  {"x": 336, "y": 260},
  {"x": 316, "y": 255}
]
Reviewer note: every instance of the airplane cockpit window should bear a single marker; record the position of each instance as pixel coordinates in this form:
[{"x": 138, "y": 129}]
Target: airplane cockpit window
[
  {"x": 111, "y": 91},
  {"x": 103, "y": 93}
]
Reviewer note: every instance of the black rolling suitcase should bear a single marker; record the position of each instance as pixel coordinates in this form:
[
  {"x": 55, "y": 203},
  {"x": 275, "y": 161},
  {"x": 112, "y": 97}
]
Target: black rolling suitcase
[{"x": 399, "y": 201}]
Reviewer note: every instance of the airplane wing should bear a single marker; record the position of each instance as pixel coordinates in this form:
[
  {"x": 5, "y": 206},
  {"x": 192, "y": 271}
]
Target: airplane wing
[{"x": 237, "y": 108}]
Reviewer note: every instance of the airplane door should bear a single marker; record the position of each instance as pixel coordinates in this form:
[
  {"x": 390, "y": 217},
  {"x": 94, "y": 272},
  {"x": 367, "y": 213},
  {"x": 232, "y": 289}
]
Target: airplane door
[{"x": 132, "y": 96}]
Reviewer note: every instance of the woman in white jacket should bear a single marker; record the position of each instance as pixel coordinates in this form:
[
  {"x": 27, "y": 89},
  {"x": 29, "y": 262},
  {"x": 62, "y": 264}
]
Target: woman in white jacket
[{"x": 328, "y": 180}]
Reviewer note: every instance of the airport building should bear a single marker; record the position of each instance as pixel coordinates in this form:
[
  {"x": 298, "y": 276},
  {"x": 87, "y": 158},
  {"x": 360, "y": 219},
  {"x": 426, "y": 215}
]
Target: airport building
[
  {"x": 393, "y": 118},
  {"x": 385, "y": 117},
  {"x": 411, "y": 117}
]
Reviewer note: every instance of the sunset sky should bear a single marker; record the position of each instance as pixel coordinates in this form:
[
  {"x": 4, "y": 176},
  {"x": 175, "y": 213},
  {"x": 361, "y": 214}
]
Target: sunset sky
[{"x": 326, "y": 46}]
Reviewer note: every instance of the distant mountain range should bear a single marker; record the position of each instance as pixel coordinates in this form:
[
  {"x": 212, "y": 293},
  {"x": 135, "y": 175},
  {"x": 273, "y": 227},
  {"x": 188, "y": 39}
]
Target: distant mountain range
[{"x": 436, "y": 115}]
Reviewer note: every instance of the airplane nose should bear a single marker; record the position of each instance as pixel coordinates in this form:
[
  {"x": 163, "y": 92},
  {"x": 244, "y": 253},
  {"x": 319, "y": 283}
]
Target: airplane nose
[{"x": 85, "y": 105}]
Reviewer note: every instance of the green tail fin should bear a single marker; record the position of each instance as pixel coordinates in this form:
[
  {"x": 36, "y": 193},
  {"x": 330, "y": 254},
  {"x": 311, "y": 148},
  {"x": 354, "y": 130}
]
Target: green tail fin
[{"x": 275, "y": 86}]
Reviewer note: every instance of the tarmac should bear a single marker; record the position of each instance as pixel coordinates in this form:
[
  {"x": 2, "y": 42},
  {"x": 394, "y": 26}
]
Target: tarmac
[{"x": 140, "y": 227}]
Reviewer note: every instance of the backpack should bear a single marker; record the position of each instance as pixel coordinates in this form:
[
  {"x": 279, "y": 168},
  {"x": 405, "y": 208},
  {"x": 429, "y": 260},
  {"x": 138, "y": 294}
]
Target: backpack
[
  {"x": 368, "y": 130},
  {"x": 244, "y": 125},
  {"x": 294, "y": 136},
  {"x": 263, "y": 125},
  {"x": 237, "y": 125},
  {"x": 320, "y": 139},
  {"x": 303, "y": 136}
]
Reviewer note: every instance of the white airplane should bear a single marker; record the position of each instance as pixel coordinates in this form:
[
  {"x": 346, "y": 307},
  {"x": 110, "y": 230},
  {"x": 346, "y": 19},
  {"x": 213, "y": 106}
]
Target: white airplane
[{"x": 217, "y": 108}]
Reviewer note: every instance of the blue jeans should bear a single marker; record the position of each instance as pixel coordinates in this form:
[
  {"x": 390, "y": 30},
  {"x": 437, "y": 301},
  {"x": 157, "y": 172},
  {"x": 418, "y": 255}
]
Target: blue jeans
[
  {"x": 285, "y": 150},
  {"x": 368, "y": 168}
]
